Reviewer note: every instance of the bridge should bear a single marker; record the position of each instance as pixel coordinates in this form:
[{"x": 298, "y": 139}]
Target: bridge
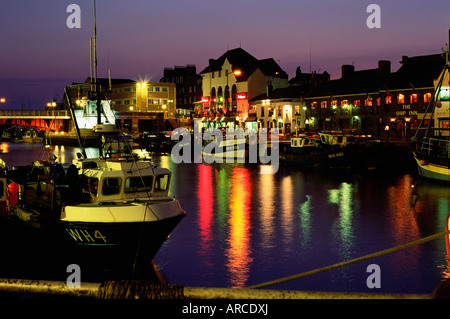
[{"x": 43, "y": 119}]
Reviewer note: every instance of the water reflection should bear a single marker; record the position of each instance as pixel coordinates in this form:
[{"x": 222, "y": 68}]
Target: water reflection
[
  {"x": 245, "y": 226},
  {"x": 205, "y": 197},
  {"x": 238, "y": 252}
]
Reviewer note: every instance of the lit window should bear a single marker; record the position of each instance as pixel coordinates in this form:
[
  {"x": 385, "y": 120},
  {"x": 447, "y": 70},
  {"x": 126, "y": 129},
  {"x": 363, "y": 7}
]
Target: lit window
[
  {"x": 313, "y": 105},
  {"x": 400, "y": 99},
  {"x": 368, "y": 102},
  {"x": 357, "y": 103},
  {"x": 413, "y": 98},
  {"x": 379, "y": 101},
  {"x": 388, "y": 99},
  {"x": 323, "y": 104},
  {"x": 427, "y": 97},
  {"x": 344, "y": 103}
]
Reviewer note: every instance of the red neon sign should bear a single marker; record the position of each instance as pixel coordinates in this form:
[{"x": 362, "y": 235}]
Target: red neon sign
[
  {"x": 205, "y": 99},
  {"x": 242, "y": 96}
]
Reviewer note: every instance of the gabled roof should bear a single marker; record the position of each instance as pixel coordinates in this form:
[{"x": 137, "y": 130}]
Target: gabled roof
[{"x": 246, "y": 63}]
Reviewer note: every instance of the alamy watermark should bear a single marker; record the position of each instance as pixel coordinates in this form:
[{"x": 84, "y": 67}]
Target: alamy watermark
[
  {"x": 74, "y": 19},
  {"x": 229, "y": 147},
  {"x": 374, "y": 19}
]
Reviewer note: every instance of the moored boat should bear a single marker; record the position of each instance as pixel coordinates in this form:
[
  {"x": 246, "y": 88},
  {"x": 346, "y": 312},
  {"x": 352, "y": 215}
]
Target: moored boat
[
  {"x": 31, "y": 136},
  {"x": 117, "y": 205},
  {"x": 114, "y": 208},
  {"x": 231, "y": 147},
  {"x": 325, "y": 150},
  {"x": 431, "y": 142}
]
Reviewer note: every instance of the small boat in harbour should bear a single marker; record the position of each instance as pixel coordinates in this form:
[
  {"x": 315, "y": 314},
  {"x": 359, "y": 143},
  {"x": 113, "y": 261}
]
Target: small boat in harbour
[
  {"x": 325, "y": 150},
  {"x": 31, "y": 136},
  {"x": 228, "y": 146}
]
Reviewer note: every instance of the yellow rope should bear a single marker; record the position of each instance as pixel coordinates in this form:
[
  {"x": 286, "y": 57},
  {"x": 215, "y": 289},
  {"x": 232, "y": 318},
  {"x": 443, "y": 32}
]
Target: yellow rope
[{"x": 353, "y": 261}]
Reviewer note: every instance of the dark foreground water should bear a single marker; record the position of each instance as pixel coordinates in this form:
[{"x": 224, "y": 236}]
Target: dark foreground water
[{"x": 244, "y": 227}]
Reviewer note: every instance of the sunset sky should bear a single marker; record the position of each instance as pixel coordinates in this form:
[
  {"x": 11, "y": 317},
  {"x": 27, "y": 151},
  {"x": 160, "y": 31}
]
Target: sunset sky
[{"x": 39, "y": 54}]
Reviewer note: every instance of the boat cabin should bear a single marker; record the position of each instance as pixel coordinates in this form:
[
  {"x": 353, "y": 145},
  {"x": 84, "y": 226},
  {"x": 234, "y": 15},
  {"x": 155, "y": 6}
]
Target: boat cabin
[
  {"x": 303, "y": 144},
  {"x": 336, "y": 139},
  {"x": 108, "y": 181}
]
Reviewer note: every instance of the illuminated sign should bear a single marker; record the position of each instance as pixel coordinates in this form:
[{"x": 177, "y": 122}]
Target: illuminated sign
[
  {"x": 444, "y": 94},
  {"x": 242, "y": 96},
  {"x": 205, "y": 99}
]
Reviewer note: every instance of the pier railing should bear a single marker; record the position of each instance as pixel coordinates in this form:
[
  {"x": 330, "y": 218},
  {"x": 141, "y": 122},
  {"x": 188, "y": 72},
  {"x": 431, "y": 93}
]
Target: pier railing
[{"x": 34, "y": 114}]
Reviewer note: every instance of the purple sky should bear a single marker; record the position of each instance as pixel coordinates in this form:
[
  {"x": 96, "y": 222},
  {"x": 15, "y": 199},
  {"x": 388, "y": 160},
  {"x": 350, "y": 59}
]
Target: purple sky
[{"x": 39, "y": 54}]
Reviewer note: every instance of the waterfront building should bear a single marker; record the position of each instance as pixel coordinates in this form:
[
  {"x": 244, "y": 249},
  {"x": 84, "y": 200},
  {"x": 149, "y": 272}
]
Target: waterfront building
[
  {"x": 188, "y": 91},
  {"x": 188, "y": 85},
  {"x": 139, "y": 105},
  {"x": 230, "y": 82},
  {"x": 283, "y": 108},
  {"x": 376, "y": 102},
  {"x": 408, "y": 92}
]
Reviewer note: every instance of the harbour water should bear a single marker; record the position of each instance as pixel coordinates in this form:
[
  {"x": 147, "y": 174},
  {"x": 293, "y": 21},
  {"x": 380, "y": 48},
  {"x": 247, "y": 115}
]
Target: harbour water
[{"x": 245, "y": 226}]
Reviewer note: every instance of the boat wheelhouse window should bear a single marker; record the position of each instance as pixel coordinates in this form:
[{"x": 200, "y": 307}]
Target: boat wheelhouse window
[
  {"x": 92, "y": 185},
  {"x": 162, "y": 183},
  {"x": 111, "y": 186},
  {"x": 138, "y": 184}
]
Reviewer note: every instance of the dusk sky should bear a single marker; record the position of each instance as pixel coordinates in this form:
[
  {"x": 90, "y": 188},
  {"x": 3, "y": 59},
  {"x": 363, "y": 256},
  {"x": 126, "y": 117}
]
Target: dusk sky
[{"x": 40, "y": 55}]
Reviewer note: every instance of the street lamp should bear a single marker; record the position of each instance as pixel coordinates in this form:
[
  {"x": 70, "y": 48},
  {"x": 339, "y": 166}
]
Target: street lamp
[
  {"x": 236, "y": 73},
  {"x": 2, "y": 100}
]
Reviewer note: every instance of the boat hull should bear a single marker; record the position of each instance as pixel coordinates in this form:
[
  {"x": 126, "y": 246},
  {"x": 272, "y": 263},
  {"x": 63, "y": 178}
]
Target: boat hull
[
  {"x": 337, "y": 158},
  {"x": 124, "y": 245},
  {"x": 126, "y": 241},
  {"x": 430, "y": 170}
]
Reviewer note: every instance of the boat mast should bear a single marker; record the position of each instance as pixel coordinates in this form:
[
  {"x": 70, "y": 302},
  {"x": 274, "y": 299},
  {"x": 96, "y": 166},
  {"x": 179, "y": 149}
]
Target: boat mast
[
  {"x": 434, "y": 99},
  {"x": 97, "y": 88}
]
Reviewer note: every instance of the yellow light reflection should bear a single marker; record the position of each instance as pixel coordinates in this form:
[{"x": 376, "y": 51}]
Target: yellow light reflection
[
  {"x": 266, "y": 197},
  {"x": 4, "y": 147},
  {"x": 287, "y": 210},
  {"x": 238, "y": 252}
]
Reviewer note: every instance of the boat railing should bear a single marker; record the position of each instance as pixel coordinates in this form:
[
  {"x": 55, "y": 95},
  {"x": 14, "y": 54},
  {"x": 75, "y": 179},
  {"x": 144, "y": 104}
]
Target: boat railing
[{"x": 436, "y": 146}]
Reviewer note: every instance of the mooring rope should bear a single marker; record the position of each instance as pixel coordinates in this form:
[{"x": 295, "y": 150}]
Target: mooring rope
[{"x": 349, "y": 262}]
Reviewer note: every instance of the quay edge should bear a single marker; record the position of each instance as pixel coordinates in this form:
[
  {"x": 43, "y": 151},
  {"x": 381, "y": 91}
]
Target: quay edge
[{"x": 146, "y": 290}]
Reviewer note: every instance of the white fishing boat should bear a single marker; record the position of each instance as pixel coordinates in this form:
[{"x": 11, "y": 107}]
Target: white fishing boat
[
  {"x": 115, "y": 206},
  {"x": 431, "y": 142}
]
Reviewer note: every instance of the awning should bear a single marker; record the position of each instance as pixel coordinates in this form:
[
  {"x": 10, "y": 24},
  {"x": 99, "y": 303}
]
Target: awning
[{"x": 251, "y": 119}]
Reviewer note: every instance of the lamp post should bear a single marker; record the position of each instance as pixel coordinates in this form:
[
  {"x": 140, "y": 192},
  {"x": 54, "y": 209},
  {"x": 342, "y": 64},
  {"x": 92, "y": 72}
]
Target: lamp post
[{"x": 235, "y": 73}]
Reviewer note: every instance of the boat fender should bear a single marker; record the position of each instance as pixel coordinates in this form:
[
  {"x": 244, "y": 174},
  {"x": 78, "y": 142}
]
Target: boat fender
[
  {"x": 423, "y": 163},
  {"x": 13, "y": 189}
]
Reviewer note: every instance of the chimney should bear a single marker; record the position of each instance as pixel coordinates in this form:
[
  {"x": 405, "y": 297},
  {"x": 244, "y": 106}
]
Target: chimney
[
  {"x": 347, "y": 70},
  {"x": 384, "y": 67}
]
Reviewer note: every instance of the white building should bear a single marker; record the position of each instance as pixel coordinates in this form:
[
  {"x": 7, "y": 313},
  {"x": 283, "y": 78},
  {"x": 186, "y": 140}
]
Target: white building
[
  {"x": 282, "y": 109},
  {"x": 233, "y": 79}
]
